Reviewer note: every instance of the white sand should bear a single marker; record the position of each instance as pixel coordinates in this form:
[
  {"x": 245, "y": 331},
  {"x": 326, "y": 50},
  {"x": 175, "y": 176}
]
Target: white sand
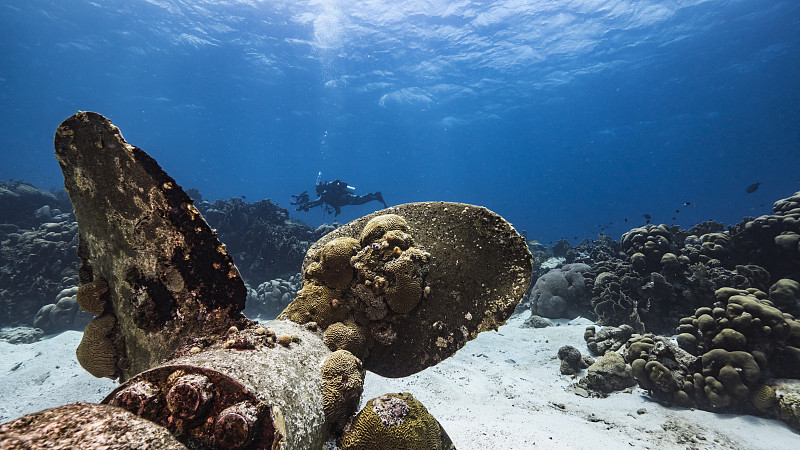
[
  {"x": 502, "y": 391},
  {"x": 45, "y": 374}
]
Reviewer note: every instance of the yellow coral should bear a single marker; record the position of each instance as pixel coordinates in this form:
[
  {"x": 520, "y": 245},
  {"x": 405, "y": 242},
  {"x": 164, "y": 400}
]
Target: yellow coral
[
  {"x": 346, "y": 336},
  {"x": 91, "y": 297},
  {"x": 378, "y": 226},
  {"x": 394, "y": 421},
  {"x": 342, "y": 384},
  {"x": 404, "y": 293},
  {"x": 96, "y": 351},
  {"x": 762, "y": 397},
  {"x": 316, "y": 303},
  {"x": 332, "y": 263}
]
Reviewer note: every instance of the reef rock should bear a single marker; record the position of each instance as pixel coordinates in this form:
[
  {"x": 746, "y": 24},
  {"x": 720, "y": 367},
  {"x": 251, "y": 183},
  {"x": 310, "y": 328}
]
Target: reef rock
[
  {"x": 609, "y": 373},
  {"x": 20, "y": 335}
]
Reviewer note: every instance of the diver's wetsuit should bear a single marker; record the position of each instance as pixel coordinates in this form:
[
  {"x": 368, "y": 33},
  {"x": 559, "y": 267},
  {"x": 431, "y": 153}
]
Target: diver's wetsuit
[{"x": 334, "y": 194}]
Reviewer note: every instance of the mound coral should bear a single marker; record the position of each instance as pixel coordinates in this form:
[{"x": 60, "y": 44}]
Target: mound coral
[
  {"x": 728, "y": 355},
  {"x": 396, "y": 422}
]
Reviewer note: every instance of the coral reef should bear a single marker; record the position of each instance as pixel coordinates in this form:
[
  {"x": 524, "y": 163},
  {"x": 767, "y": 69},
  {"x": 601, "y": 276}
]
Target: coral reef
[
  {"x": 38, "y": 240},
  {"x": 669, "y": 272},
  {"x": 726, "y": 356},
  {"x": 745, "y": 321},
  {"x": 772, "y": 241}
]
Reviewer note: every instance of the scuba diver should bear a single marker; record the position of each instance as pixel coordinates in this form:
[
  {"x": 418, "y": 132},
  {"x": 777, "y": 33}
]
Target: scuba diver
[{"x": 333, "y": 195}]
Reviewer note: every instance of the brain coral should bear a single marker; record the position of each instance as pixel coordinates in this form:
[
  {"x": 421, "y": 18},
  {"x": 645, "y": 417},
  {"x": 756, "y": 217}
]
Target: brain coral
[
  {"x": 395, "y": 422},
  {"x": 316, "y": 303},
  {"x": 91, "y": 296},
  {"x": 342, "y": 384},
  {"x": 332, "y": 263},
  {"x": 96, "y": 351},
  {"x": 377, "y": 227},
  {"x": 405, "y": 292},
  {"x": 346, "y": 336}
]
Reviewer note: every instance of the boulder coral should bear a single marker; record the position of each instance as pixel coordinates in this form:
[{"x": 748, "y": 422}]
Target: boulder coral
[
  {"x": 561, "y": 293},
  {"x": 647, "y": 245},
  {"x": 745, "y": 321}
]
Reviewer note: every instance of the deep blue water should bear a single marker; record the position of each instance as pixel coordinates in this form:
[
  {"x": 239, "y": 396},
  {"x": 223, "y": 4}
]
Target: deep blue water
[{"x": 559, "y": 115}]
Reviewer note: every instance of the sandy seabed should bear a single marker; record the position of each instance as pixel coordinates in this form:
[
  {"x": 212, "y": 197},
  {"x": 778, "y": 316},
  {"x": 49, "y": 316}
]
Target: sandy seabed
[{"x": 501, "y": 391}]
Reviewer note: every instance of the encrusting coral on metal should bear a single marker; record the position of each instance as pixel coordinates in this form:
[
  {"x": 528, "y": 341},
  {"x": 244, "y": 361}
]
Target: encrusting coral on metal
[{"x": 394, "y": 292}]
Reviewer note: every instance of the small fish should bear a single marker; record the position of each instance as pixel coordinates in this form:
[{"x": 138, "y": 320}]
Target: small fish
[
  {"x": 534, "y": 242},
  {"x": 753, "y": 187},
  {"x": 677, "y": 210},
  {"x": 626, "y": 219},
  {"x": 647, "y": 221},
  {"x": 673, "y": 218},
  {"x": 687, "y": 203},
  {"x": 647, "y": 216},
  {"x": 511, "y": 361}
]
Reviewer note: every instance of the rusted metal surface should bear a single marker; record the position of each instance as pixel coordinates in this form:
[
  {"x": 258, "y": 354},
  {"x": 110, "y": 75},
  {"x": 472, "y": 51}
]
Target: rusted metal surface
[
  {"x": 203, "y": 408},
  {"x": 85, "y": 426}
]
